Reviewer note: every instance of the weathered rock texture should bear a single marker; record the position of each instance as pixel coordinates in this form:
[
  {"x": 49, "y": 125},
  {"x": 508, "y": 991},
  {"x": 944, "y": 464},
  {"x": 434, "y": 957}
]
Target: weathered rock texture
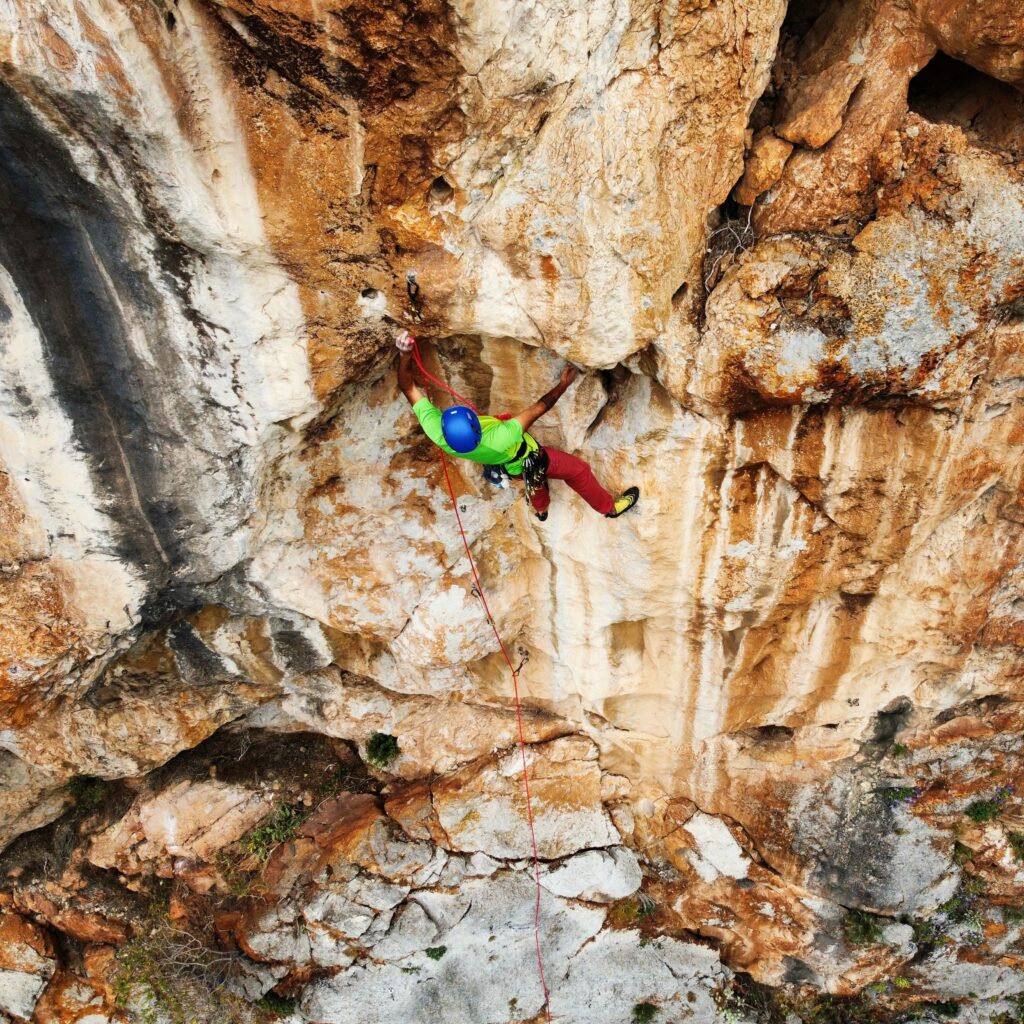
[{"x": 773, "y": 718}]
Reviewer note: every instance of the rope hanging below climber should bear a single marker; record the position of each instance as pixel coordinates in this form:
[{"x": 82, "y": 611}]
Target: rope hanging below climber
[{"x": 502, "y": 443}]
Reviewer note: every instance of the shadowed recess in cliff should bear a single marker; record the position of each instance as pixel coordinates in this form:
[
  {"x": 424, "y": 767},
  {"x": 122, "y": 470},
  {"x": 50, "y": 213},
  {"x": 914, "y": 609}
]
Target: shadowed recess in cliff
[{"x": 990, "y": 112}]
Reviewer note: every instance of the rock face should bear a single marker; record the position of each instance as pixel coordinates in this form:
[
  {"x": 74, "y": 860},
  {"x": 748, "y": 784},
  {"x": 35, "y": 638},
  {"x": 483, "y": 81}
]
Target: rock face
[{"x": 772, "y": 718}]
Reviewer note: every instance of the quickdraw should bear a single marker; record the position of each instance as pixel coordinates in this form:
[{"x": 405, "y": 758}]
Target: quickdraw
[{"x": 412, "y": 289}]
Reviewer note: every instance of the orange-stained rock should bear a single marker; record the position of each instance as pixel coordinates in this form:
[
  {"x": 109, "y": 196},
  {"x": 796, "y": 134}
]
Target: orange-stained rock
[
  {"x": 72, "y": 999},
  {"x": 28, "y": 960},
  {"x": 170, "y": 830},
  {"x": 74, "y": 916},
  {"x": 763, "y": 168},
  {"x": 784, "y": 679},
  {"x": 482, "y": 807}
]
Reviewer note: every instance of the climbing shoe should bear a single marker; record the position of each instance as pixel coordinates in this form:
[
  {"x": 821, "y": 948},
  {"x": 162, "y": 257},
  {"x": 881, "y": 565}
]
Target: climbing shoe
[
  {"x": 541, "y": 516},
  {"x": 625, "y": 502}
]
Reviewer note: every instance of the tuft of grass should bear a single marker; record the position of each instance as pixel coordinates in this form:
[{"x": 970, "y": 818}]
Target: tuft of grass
[
  {"x": 960, "y": 910},
  {"x": 627, "y": 913},
  {"x": 983, "y": 811},
  {"x": 170, "y": 976},
  {"x": 1012, "y": 915},
  {"x": 896, "y": 796},
  {"x": 644, "y": 1013},
  {"x": 900, "y": 750},
  {"x": 436, "y": 952},
  {"x": 341, "y": 778},
  {"x": 280, "y": 1006},
  {"x": 861, "y": 928},
  {"x": 961, "y": 852},
  {"x": 747, "y": 1001},
  {"x": 280, "y": 827},
  {"x": 381, "y": 749},
  {"x": 1016, "y": 841},
  {"x": 974, "y": 885},
  {"x": 88, "y": 792}
]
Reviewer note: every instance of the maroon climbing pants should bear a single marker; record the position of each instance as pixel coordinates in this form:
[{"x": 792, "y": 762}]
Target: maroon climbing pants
[{"x": 579, "y": 476}]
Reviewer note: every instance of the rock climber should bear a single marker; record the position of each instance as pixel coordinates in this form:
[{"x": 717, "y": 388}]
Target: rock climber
[{"x": 503, "y": 441}]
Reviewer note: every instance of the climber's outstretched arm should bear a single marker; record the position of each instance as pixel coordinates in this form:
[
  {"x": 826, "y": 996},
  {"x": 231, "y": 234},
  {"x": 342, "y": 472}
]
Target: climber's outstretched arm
[
  {"x": 405, "y": 379},
  {"x": 542, "y": 405}
]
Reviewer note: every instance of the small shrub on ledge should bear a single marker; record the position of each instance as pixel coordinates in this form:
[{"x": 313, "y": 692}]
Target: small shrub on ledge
[
  {"x": 861, "y": 928},
  {"x": 984, "y": 811},
  {"x": 644, "y": 1013},
  {"x": 381, "y": 749}
]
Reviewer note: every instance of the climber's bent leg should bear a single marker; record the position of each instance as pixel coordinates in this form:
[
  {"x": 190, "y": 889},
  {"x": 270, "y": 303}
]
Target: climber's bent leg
[{"x": 579, "y": 476}]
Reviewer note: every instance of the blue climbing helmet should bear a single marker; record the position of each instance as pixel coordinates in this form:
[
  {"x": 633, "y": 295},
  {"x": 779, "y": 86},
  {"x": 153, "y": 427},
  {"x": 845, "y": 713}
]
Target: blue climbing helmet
[{"x": 461, "y": 428}]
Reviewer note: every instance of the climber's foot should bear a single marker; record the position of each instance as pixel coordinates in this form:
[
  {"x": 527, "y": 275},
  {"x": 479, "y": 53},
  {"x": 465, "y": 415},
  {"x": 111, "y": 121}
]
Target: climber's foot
[
  {"x": 625, "y": 502},
  {"x": 541, "y": 516}
]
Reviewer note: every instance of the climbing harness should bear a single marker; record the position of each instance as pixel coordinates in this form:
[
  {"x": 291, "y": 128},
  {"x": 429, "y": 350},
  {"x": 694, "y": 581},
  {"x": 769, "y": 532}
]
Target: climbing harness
[{"x": 479, "y": 591}]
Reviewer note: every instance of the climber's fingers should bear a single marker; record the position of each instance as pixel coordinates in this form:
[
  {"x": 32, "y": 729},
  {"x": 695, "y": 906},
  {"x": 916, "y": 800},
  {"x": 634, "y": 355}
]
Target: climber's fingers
[{"x": 404, "y": 342}]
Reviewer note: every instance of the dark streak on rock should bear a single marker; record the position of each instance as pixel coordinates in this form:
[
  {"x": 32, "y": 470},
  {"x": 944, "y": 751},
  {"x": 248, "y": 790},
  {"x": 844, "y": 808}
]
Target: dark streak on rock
[{"x": 70, "y": 258}]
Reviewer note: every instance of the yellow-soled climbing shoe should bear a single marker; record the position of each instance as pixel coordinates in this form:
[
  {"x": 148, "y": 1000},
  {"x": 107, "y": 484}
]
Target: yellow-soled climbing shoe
[{"x": 625, "y": 502}]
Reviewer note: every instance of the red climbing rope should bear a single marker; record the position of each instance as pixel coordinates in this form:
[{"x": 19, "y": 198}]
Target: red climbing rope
[
  {"x": 440, "y": 383},
  {"x": 511, "y": 668}
]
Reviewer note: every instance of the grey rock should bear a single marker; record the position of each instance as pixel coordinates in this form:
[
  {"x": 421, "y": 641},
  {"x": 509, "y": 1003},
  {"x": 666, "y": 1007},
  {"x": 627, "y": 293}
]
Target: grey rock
[
  {"x": 614, "y": 972},
  {"x": 489, "y": 959},
  {"x": 864, "y": 853},
  {"x": 601, "y": 876}
]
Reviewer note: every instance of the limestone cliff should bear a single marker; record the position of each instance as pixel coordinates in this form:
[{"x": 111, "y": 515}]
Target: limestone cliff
[{"x": 258, "y": 749}]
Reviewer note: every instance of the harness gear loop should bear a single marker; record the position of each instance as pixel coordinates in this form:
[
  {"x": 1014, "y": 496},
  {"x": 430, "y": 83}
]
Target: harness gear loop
[
  {"x": 535, "y": 471},
  {"x": 479, "y": 590}
]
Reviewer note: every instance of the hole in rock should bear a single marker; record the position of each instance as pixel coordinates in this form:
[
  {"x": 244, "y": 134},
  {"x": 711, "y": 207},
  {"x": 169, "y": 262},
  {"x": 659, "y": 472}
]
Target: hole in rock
[
  {"x": 170, "y": 21},
  {"x": 891, "y": 719},
  {"x": 990, "y": 112},
  {"x": 679, "y": 295},
  {"x": 979, "y": 708},
  {"x": 855, "y": 603},
  {"x": 771, "y": 733},
  {"x": 730, "y": 234},
  {"x": 440, "y": 191},
  {"x": 802, "y": 14},
  {"x": 369, "y": 293}
]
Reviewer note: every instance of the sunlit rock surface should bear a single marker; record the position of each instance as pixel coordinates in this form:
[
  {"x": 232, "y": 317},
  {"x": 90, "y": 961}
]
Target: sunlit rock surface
[{"x": 772, "y": 717}]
